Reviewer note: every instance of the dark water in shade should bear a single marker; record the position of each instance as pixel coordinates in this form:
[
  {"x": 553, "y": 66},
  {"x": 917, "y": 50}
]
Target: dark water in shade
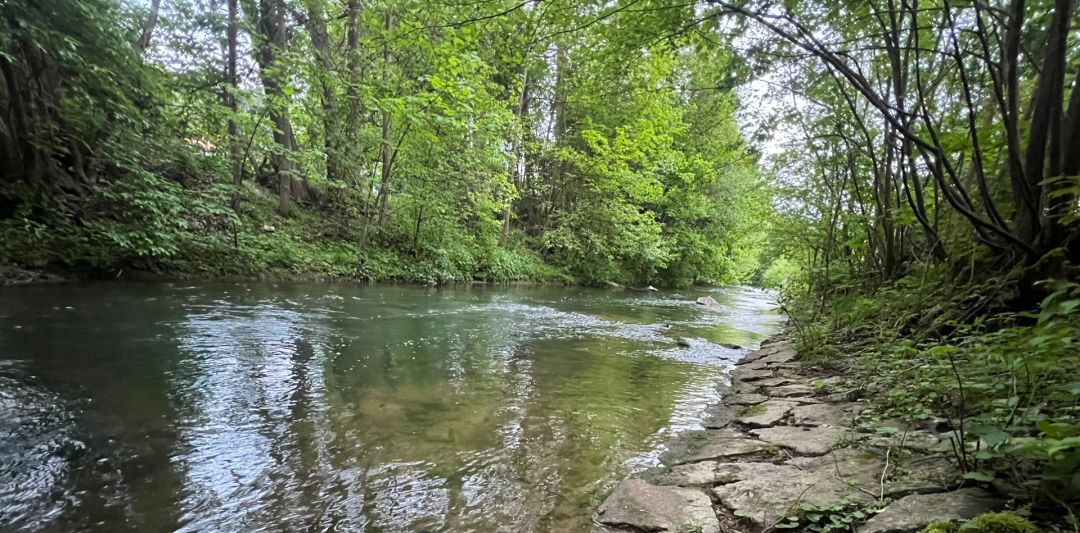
[{"x": 323, "y": 407}]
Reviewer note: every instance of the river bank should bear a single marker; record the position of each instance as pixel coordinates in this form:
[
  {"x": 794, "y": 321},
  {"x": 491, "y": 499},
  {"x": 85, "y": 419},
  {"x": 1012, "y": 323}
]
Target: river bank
[{"x": 788, "y": 448}]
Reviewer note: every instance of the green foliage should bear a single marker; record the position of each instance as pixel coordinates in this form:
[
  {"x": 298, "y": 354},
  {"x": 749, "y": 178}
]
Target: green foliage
[
  {"x": 1005, "y": 522},
  {"x": 1008, "y": 379},
  {"x": 414, "y": 144},
  {"x": 836, "y": 517}
]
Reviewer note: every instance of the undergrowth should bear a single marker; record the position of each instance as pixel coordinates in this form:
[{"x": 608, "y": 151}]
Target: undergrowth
[{"x": 1006, "y": 377}]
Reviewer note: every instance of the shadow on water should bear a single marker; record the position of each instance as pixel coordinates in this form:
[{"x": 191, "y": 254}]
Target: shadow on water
[{"x": 337, "y": 407}]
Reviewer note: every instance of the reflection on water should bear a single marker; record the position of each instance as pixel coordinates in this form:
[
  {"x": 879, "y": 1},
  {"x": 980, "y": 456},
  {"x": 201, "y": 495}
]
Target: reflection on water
[{"x": 228, "y": 407}]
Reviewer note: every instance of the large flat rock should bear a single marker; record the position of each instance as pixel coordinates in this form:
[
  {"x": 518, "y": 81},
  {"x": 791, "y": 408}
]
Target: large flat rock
[
  {"x": 770, "y": 494},
  {"x": 794, "y": 389},
  {"x": 804, "y": 441},
  {"x": 765, "y": 414},
  {"x": 858, "y": 467},
  {"x": 637, "y": 504},
  {"x": 915, "y": 512},
  {"x": 744, "y": 399},
  {"x": 708, "y": 473},
  {"x": 821, "y": 414},
  {"x": 745, "y": 374},
  {"x": 727, "y": 448}
]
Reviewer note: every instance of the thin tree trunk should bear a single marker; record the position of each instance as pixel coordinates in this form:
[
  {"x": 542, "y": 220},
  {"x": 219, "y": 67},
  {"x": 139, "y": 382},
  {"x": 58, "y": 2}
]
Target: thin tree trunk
[
  {"x": 233, "y": 81},
  {"x": 148, "y": 27}
]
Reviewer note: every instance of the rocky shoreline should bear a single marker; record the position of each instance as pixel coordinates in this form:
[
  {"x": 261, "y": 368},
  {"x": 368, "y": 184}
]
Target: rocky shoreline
[{"x": 784, "y": 450}]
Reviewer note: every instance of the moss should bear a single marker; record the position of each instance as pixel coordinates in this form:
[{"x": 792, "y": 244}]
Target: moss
[
  {"x": 987, "y": 523},
  {"x": 940, "y": 527},
  {"x": 754, "y": 410},
  {"x": 999, "y": 523}
]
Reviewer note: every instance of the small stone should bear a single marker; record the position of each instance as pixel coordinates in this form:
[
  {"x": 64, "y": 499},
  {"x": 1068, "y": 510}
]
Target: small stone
[
  {"x": 744, "y": 399},
  {"x": 915, "y": 512},
  {"x": 804, "y": 441},
  {"x": 765, "y": 414},
  {"x": 637, "y": 504}
]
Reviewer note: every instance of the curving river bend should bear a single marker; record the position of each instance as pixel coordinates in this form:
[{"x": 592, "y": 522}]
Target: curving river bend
[{"x": 292, "y": 406}]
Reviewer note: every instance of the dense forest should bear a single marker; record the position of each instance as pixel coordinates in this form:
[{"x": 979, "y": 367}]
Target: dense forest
[
  {"x": 905, "y": 173},
  {"x": 375, "y": 140}
]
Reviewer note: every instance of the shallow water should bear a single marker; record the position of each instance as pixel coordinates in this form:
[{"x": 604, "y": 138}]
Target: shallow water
[{"x": 274, "y": 407}]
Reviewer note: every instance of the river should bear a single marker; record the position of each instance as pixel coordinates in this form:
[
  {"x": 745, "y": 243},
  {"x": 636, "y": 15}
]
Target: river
[{"x": 338, "y": 407}]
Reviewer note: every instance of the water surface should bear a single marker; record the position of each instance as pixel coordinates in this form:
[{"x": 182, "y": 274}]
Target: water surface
[{"x": 275, "y": 407}]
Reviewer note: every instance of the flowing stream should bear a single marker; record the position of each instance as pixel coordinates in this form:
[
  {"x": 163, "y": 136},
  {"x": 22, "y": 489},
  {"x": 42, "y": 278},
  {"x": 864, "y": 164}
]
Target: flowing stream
[{"x": 335, "y": 407}]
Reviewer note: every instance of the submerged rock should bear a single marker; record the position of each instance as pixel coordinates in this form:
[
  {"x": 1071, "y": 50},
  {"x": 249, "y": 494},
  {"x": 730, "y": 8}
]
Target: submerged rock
[
  {"x": 645, "y": 507},
  {"x": 707, "y": 300},
  {"x": 684, "y": 342},
  {"x": 915, "y": 512}
]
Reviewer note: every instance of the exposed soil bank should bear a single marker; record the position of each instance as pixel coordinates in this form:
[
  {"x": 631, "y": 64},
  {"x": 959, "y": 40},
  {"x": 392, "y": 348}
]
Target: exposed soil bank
[{"x": 784, "y": 451}]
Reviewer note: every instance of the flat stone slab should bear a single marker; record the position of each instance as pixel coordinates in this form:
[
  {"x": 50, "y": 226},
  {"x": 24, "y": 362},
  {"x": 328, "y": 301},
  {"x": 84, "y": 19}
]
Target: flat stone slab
[
  {"x": 728, "y": 448},
  {"x": 796, "y": 389},
  {"x": 769, "y": 495},
  {"x": 918, "y": 439},
  {"x": 784, "y": 354},
  {"x": 804, "y": 441},
  {"x": 915, "y": 512},
  {"x": 820, "y": 415},
  {"x": 776, "y": 381},
  {"x": 858, "y": 467},
  {"x": 744, "y": 399},
  {"x": 923, "y": 474},
  {"x": 637, "y": 504},
  {"x": 741, "y": 374},
  {"x": 708, "y": 473},
  {"x": 765, "y": 414}
]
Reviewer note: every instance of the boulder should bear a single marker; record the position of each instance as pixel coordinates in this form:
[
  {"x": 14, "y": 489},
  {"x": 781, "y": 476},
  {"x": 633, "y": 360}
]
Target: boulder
[
  {"x": 915, "y": 512},
  {"x": 765, "y": 414},
  {"x": 642, "y": 506},
  {"x": 804, "y": 441},
  {"x": 707, "y": 300}
]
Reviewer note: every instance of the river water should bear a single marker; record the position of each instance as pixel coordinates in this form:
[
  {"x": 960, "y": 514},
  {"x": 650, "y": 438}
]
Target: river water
[{"x": 334, "y": 407}]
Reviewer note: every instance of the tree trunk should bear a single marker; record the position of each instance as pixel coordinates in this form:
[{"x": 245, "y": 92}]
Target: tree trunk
[
  {"x": 233, "y": 81},
  {"x": 320, "y": 41},
  {"x": 148, "y": 27},
  {"x": 270, "y": 43}
]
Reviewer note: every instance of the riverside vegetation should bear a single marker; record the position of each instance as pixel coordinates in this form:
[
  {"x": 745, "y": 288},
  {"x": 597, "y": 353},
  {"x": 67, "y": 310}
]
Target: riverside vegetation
[{"x": 916, "y": 203}]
